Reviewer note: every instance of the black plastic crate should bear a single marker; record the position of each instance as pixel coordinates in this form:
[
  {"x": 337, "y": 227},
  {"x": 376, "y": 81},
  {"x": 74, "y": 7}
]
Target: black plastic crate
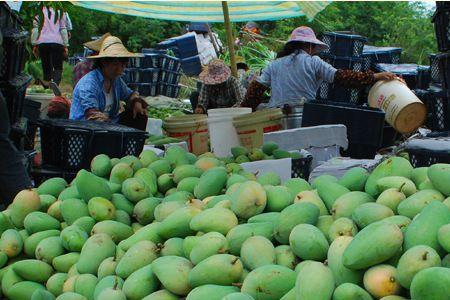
[
  {"x": 14, "y": 93},
  {"x": 440, "y": 69},
  {"x": 147, "y": 61},
  {"x": 8, "y": 17},
  {"x": 364, "y": 125},
  {"x": 342, "y": 44},
  {"x": 429, "y": 150},
  {"x": 170, "y": 77},
  {"x": 423, "y": 77},
  {"x": 336, "y": 93},
  {"x": 41, "y": 174},
  {"x": 407, "y": 71},
  {"x": 14, "y": 42},
  {"x": 442, "y": 4},
  {"x": 169, "y": 90},
  {"x": 301, "y": 167},
  {"x": 31, "y": 109},
  {"x": 441, "y": 20},
  {"x": 388, "y": 55},
  {"x": 71, "y": 145},
  {"x": 145, "y": 89},
  {"x": 167, "y": 62},
  {"x": 138, "y": 75},
  {"x": 347, "y": 63},
  {"x": 436, "y": 101}
]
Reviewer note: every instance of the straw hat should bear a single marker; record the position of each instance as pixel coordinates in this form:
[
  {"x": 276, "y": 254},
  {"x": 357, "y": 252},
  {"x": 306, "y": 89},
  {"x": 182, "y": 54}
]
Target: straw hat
[
  {"x": 307, "y": 35},
  {"x": 216, "y": 72},
  {"x": 113, "y": 47},
  {"x": 96, "y": 44}
]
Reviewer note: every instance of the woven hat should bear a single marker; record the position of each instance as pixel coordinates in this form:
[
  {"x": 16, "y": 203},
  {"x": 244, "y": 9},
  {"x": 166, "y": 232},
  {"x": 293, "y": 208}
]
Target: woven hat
[
  {"x": 97, "y": 44},
  {"x": 113, "y": 47},
  {"x": 307, "y": 35},
  {"x": 216, "y": 72}
]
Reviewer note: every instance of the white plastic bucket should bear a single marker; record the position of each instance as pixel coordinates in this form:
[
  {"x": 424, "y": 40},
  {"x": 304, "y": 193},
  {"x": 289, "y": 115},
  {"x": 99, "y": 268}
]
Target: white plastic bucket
[
  {"x": 222, "y": 133},
  {"x": 404, "y": 111}
]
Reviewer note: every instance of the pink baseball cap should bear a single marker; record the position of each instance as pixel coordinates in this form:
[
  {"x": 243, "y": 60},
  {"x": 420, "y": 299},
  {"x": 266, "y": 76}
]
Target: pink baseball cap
[{"x": 307, "y": 35}]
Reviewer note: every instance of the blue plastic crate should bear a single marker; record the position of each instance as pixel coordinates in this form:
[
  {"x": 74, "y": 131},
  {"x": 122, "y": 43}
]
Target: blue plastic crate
[
  {"x": 145, "y": 89},
  {"x": 138, "y": 75},
  {"x": 407, "y": 71},
  {"x": 387, "y": 55},
  {"x": 191, "y": 66},
  {"x": 342, "y": 44},
  {"x": 169, "y": 90},
  {"x": 148, "y": 61},
  {"x": 347, "y": 63},
  {"x": 167, "y": 62},
  {"x": 170, "y": 77},
  {"x": 153, "y": 51},
  {"x": 184, "y": 46}
]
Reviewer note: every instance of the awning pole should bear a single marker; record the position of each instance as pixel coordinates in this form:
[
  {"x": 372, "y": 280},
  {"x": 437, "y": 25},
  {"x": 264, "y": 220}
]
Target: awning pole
[{"x": 230, "y": 39}]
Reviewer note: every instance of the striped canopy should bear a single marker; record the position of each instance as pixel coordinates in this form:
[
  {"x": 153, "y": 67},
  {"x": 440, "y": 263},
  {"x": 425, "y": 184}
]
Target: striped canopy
[{"x": 209, "y": 11}]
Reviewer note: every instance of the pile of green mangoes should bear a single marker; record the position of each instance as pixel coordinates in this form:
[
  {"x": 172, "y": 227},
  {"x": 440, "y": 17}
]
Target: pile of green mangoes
[
  {"x": 196, "y": 228},
  {"x": 160, "y": 140},
  {"x": 269, "y": 150},
  {"x": 163, "y": 113}
]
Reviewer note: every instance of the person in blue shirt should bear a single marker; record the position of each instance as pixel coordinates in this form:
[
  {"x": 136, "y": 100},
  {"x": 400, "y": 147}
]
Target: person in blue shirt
[{"x": 99, "y": 94}]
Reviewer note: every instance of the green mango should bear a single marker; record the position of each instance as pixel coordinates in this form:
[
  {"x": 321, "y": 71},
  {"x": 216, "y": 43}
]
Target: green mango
[
  {"x": 85, "y": 223},
  {"x": 323, "y": 178},
  {"x": 419, "y": 175},
  {"x": 101, "y": 165},
  {"x": 314, "y": 281},
  {"x": 94, "y": 251},
  {"x": 355, "y": 179},
  {"x": 160, "y": 167},
  {"x": 173, "y": 273},
  {"x": 24, "y": 290},
  {"x": 248, "y": 200},
  {"x": 70, "y": 192},
  {"x": 401, "y": 221},
  {"x": 101, "y": 209},
  {"x": 3, "y": 260},
  {"x": 369, "y": 213},
  {"x": 341, "y": 227},
  {"x": 271, "y": 217},
  {"x": 279, "y": 154},
  {"x": 342, "y": 274},
  {"x": 413, "y": 261},
  {"x": 215, "y": 219},
  {"x": 329, "y": 192},
  {"x": 73, "y": 209},
  {"x": 64, "y": 262},
  {"x": 165, "y": 183},
  {"x": 278, "y": 198},
  {"x": 123, "y": 217},
  {"x": 42, "y": 295},
  {"x": 120, "y": 202},
  {"x": 297, "y": 185},
  {"x": 269, "y": 282},
  {"x": 178, "y": 196},
  {"x": 431, "y": 284},
  {"x": 106, "y": 268},
  {"x": 25, "y": 202},
  {"x": 5, "y": 223},
  {"x": 444, "y": 237},
  {"x": 188, "y": 184},
  {"x": 269, "y": 178},
  {"x": 414, "y": 204},
  {"x": 33, "y": 240},
  {"x": 308, "y": 242},
  {"x": 186, "y": 171},
  {"x": 404, "y": 185},
  {"x": 148, "y": 176},
  {"x": 391, "y": 198},
  {"x": 53, "y": 186},
  {"x": 205, "y": 246},
  {"x": 324, "y": 224},
  {"x": 8, "y": 280},
  {"x": 289, "y": 295},
  {"x": 285, "y": 257},
  {"x": 164, "y": 209},
  {"x": 116, "y": 230},
  {"x": 139, "y": 255},
  {"x": 71, "y": 296},
  {"x": 55, "y": 211},
  {"x": 49, "y": 248},
  {"x": 439, "y": 175},
  {"x": 177, "y": 223},
  {"x": 173, "y": 246},
  {"x": 11, "y": 243},
  {"x": 423, "y": 230},
  {"x": 239, "y": 234},
  {"x": 148, "y": 232},
  {"x": 144, "y": 210},
  {"x": 120, "y": 172},
  {"x": 374, "y": 244},
  {"x": 238, "y": 296},
  {"x": 446, "y": 261},
  {"x": 347, "y": 291},
  {"x": 176, "y": 156},
  {"x": 393, "y": 166},
  {"x": 73, "y": 238},
  {"x": 140, "y": 283},
  {"x": 147, "y": 157},
  {"x": 90, "y": 186},
  {"x": 161, "y": 294},
  {"x": 33, "y": 270},
  {"x": 211, "y": 292},
  {"x": 135, "y": 189},
  {"x": 235, "y": 178},
  {"x": 293, "y": 215},
  {"x": 257, "y": 251},
  {"x": 107, "y": 282},
  {"x": 381, "y": 281},
  {"x": 347, "y": 203},
  {"x": 46, "y": 201},
  {"x": 312, "y": 197},
  {"x": 211, "y": 183},
  {"x": 238, "y": 151},
  {"x": 133, "y": 161},
  {"x": 220, "y": 269},
  {"x": 55, "y": 283},
  {"x": 190, "y": 242},
  {"x": 269, "y": 147},
  {"x": 85, "y": 285}
]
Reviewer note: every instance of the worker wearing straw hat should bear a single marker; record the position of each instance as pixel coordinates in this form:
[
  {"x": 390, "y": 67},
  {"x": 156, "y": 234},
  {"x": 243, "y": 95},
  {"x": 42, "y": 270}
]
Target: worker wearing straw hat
[
  {"x": 85, "y": 66},
  {"x": 97, "y": 95}
]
